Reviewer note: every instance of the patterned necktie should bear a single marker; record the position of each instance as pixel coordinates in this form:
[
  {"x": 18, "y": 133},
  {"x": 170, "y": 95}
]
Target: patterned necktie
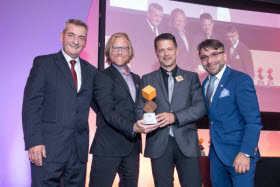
[
  {"x": 155, "y": 31},
  {"x": 73, "y": 72},
  {"x": 210, "y": 90},
  {"x": 170, "y": 93}
]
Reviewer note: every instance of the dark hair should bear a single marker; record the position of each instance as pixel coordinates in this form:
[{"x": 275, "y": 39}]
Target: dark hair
[
  {"x": 210, "y": 44},
  {"x": 206, "y": 16},
  {"x": 76, "y": 22},
  {"x": 165, "y": 36},
  {"x": 231, "y": 29},
  {"x": 155, "y": 6}
]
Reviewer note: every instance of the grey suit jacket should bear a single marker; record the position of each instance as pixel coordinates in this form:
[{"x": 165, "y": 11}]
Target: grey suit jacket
[{"x": 187, "y": 103}]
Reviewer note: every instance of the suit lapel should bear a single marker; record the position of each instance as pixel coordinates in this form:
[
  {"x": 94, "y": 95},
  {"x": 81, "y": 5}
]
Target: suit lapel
[
  {"x": 161, "y": 84},
  {"x": 177, "y": 85},
  {"x": 220, "y": 87},
  {"x": 203, "y": 89},
  {"x": 136, "y": 86},
  {"x": 62, "y": 64},
  {"x": 84, "y": 73},
  {"x": 119, "y": 78}
]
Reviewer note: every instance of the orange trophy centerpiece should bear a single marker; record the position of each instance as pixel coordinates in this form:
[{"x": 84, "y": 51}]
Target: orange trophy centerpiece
[{"x": 149, "y": 93}]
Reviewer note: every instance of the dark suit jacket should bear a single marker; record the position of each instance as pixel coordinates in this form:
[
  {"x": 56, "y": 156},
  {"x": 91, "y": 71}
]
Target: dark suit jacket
[
  {"x": 143, "y": 44},
  {"x": 185, "y": 57},
  {"x": 53, "y": 113},
  {"x": 235, "y": 120},
  {"x": 187, "y": 103},
  {"x": 114, "y": 135},
  {"x": 241, "y": 59}
]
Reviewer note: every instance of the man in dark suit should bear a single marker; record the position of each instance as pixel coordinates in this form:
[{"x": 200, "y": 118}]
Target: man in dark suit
[
  {"x": 178, "y": 24},
  {"x": 235, "y": 121},
  {"x": 206, "y": 31},
  {"x": 179, "y": 104},
  {"x": 117, "y": 142},
  {"x": 146, "y": 31},
  {"x": 240, "y": 57},
  {"x": 57, "y": 98}
]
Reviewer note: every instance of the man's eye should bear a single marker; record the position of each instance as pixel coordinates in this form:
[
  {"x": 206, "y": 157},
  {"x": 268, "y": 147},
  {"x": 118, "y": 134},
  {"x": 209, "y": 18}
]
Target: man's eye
[
  {"x": 214, "y": 54},
  {"x": 203, "y": 57},
  {"x": 170, "y": 49}
]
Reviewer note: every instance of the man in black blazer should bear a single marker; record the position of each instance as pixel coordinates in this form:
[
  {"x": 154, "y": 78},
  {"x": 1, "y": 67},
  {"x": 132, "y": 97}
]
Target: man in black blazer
[
  {"x": 178, "y": 23},
  {"x": 175, "y": 143},
  {"x": 147, "y": 29},
  {"x": 117, "y": 142},
  {"x": 57, "y": 98},
  {"x": 239, "y": 55}
]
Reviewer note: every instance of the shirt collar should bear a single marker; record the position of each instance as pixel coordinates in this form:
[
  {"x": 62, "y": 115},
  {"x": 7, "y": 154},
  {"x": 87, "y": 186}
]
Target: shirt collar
[
  {"x": 68, "y": 58},
  {"x": 121, "y": 70},
  {"x": 220, "y": 74},
  {"x": 174, "y": 71}
]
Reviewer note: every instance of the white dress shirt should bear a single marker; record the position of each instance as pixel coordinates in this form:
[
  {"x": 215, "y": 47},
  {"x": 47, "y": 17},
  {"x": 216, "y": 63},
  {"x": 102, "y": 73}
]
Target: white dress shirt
[{"x": 77, "y": 67}]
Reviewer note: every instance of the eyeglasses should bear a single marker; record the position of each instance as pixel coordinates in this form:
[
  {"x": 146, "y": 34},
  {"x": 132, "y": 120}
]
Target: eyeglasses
[
  {"x": 214, "y": 55},
  {"x": 123, "y": 49}
]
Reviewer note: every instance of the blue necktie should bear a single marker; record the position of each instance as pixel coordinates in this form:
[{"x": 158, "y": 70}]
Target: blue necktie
[{"x": 210, "y": 90}]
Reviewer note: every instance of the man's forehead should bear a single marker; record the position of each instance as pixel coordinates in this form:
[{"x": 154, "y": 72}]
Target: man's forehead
[{"x": 208, "y": 50}]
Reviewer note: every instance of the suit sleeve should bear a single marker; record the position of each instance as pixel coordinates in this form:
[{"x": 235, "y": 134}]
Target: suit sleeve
[
  {"x": 197, "y": 108},
  {"x": 103, "y": 92},
  {"x": 249, "y": 109},
  {"x": 33, "y": 99},
  {"x": 93, "y": 103}
]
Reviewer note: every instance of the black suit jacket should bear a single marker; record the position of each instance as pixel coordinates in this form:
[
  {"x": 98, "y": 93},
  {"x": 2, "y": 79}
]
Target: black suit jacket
[
  {"x": 143, "y": 44},
  {"x": 187, "y": 103},
  {"x": 114, "y": 135},
  {"x": 185, "y": 57},
  {"x": 241, "y": 59},
  {"x": 53, "y": 113}
]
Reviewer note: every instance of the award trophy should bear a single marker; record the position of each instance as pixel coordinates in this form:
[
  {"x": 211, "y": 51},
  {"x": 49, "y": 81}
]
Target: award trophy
[{"x": 149, "y": 93}]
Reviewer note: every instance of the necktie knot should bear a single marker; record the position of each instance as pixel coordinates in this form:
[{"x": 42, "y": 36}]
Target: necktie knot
[
  {"x": 169, "y": 73},
  {"x": 73, "y": 62},
  {"x": 213, "y": 78},
  {"x": 155, "y": 31}
]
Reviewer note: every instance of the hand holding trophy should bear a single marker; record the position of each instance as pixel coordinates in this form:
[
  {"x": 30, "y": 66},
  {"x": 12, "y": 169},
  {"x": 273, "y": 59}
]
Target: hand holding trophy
[{"x": 149, "y": 93}]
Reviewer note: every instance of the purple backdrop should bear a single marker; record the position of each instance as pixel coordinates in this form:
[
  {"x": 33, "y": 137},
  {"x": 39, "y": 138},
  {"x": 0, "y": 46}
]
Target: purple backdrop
[{"x": 30, "y": 28}]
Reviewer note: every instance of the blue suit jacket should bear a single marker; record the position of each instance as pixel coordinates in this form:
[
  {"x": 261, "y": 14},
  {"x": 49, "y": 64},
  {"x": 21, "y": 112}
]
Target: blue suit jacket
[
  {"x": 53, "y": 113},
  {"x": 235, "y": 120}
]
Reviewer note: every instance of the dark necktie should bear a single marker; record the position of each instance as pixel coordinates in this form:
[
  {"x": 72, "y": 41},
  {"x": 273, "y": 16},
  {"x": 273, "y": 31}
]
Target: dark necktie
[
  {"x": 170, "y": 93},
  {"x": 155, "y": 31},
  {"x": 210, "y": 90},
  {"x": 73, "y": 72}
]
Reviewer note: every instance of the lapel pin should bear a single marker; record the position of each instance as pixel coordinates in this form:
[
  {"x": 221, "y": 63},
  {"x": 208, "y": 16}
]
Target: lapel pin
[
  {"x": 179, "y": 78},
  {"x": 222, "y": 85}
]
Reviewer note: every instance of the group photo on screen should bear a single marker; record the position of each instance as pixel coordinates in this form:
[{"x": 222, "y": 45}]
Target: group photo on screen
[{"x": 251, "y": 39}]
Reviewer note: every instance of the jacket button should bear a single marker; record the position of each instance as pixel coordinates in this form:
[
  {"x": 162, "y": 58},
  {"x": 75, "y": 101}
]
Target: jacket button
[{"x": 212, "y": 122}]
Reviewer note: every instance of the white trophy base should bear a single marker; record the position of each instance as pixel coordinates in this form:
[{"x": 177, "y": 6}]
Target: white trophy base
[{"x": 150, "y": 118}]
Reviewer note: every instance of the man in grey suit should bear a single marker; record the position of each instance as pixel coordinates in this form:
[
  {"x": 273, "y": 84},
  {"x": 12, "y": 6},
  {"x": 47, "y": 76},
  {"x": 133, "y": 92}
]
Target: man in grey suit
[{"x": 179, "y": 104}]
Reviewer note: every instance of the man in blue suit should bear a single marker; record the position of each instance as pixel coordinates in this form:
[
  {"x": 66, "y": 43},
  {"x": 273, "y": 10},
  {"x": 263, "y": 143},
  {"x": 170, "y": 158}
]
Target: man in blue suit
[
  {"x": 57, "y": 98},
  {"x": 235, "y": 122}
]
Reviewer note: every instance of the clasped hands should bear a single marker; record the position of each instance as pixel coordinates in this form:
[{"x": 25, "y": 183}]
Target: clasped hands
[{"x": 163, "y": 119}]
